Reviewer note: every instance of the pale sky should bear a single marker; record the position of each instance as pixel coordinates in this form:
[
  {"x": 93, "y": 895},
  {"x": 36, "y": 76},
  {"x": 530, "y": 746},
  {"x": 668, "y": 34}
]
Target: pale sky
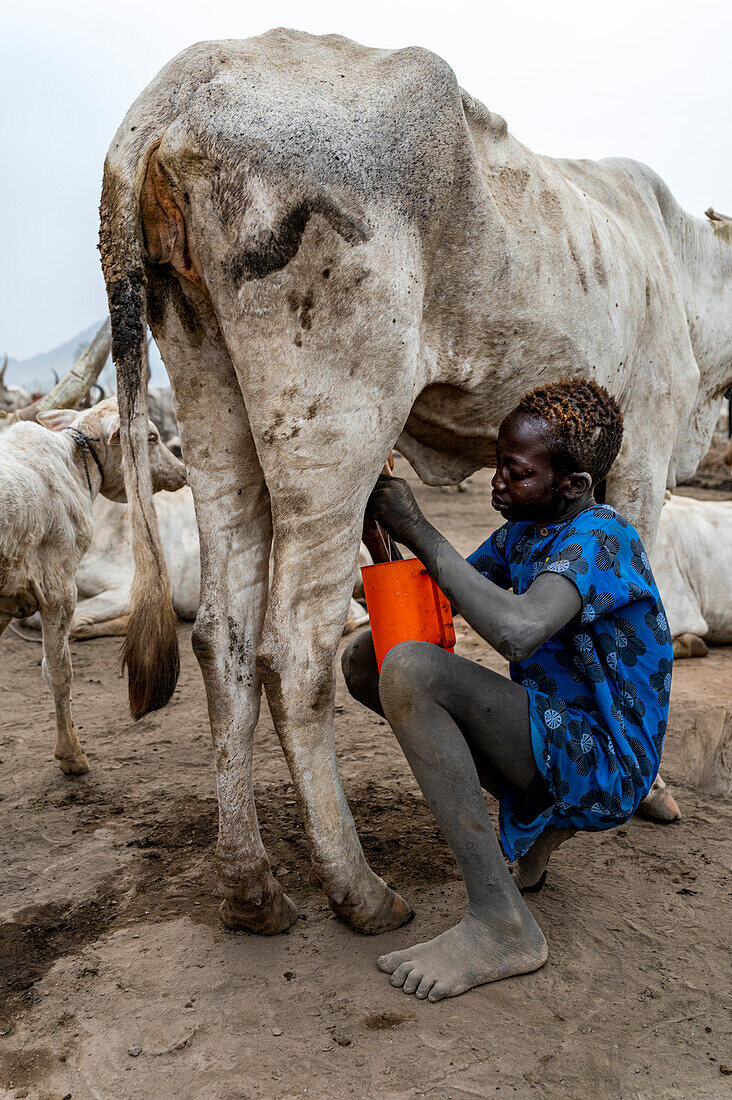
[{"x": 644, "y": 79}]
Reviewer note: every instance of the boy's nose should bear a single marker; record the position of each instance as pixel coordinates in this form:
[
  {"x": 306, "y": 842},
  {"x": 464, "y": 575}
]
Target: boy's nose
[{"x": 497, "y": 481}]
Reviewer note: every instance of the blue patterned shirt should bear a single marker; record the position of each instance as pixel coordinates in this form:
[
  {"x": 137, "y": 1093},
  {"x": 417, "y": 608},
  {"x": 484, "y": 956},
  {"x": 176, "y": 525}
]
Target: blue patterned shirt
[{"x": 599, "y": 688}]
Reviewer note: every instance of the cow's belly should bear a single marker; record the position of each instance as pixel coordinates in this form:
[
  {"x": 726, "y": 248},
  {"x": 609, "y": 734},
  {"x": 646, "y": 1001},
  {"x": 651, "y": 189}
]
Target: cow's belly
[{"x": 456, "y": 422}]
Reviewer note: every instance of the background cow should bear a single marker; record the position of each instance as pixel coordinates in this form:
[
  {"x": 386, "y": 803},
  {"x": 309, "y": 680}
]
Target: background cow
[
  {"x": 693, "y": 567},
  {"x": 11, "y": 397},
  {"x": 50, "y": 473},
  {"x": 105, "y": 574}
]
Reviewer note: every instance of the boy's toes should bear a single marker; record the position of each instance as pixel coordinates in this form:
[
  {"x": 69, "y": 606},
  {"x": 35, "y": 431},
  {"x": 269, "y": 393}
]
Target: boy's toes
[
  {"x": 413, "y": 980},
  {"x": 425, "y": 986},
  {"x": 400, "y": 974},
  {"x": 389, "y": 963},
  {"x": 437, "y": 992}
]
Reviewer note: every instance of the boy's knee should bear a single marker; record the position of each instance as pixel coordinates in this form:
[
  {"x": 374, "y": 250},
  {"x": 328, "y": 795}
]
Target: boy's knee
[
  {"x": 405, "y": 672},
  {"x": 359, "y": 666}
]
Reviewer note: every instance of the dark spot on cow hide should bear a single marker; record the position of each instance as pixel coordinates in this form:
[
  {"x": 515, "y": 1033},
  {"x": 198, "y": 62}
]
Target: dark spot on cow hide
[
  {"x": 280, "y": 244},
  {"x": 550, "y": 207},
  {"x": 305, "y": 311},
  {"x": 164, "y": 289},
  {"x": 597, "y": 260},
  {"x": 508, "y": 184},
  {"x": 581, "y": 273}
]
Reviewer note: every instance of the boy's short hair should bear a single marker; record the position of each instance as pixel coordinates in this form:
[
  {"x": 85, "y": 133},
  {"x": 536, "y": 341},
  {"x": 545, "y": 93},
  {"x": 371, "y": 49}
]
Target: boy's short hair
[{"x": 585, "y": 421}]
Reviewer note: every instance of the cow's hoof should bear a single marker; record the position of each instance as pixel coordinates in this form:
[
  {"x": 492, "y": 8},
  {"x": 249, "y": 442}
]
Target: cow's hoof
[
  {"x": 689, "y": 645},
  {"x": 74, "y": 765},
  {"x": 389, "y": 911},
  {"x": 660, "y": 805},
  {"x": 275, "y": 914}
]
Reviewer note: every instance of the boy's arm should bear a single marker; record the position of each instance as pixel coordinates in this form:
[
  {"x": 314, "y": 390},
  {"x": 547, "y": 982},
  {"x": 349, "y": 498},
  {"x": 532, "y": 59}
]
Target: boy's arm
[{"x": 514, "y": 625}]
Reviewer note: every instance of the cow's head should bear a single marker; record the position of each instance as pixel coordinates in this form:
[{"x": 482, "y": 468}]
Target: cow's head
[{"x": 100, "y": 424}]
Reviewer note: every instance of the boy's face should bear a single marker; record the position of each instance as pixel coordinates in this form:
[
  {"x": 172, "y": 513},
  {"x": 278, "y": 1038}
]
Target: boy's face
[{"x": 525, "y": 484}]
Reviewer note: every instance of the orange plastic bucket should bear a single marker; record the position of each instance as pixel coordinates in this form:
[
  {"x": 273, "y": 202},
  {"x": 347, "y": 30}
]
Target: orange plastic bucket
[{"x": 405, "y": 604}]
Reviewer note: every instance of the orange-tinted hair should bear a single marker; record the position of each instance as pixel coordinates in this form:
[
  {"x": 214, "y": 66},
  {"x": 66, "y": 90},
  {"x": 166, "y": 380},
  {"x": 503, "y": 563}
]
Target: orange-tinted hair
[{"x": 585, "y": 422}]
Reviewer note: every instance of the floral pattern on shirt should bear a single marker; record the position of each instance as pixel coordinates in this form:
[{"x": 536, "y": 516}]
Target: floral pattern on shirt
[{"x": 599, "y": 688}]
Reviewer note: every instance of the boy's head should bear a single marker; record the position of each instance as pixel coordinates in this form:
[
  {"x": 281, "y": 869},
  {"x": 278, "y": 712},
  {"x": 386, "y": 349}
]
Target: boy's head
[{"x": 557, "y": 443}]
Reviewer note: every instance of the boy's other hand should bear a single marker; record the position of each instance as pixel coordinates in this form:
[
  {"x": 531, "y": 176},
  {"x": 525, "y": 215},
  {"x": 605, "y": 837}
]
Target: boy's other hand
[{"x": 392, "y": 503}]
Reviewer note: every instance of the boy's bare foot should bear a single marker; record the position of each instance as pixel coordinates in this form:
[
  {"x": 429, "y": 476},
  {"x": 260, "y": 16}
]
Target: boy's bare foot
[
  {"x": 472, "y": 953},
  {"x": 529, "y": 872}
]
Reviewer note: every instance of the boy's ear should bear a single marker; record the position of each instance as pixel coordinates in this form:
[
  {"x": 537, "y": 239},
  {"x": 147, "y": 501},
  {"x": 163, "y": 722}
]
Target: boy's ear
[
  {"x": 57, "y": 419},
  {"x": 578, "y": 483}
]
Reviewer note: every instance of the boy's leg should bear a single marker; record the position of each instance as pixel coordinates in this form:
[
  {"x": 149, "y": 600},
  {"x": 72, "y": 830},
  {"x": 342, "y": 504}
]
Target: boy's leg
[
  {"x": 362, "y": 678},
  {"x": 421, "y": 689},
  {"x": 361, "y": 674},
  {"x": 529, "y": 872}
]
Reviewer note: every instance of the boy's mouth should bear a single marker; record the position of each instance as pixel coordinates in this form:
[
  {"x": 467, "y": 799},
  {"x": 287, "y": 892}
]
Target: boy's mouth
[{"x": 499, "y": 503}]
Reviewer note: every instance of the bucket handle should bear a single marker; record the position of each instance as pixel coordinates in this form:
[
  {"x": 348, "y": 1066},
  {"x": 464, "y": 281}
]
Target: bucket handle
[{"x": 447, "y": 640}]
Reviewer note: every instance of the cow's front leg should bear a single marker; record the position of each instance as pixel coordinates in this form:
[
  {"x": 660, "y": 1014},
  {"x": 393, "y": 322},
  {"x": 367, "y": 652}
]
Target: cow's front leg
[
  {"x": 316, "y": 543},
  {"x": 57, "y": 673}
]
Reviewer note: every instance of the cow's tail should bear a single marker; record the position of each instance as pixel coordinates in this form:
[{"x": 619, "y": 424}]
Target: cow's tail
[{"x": 150, "y": 650}]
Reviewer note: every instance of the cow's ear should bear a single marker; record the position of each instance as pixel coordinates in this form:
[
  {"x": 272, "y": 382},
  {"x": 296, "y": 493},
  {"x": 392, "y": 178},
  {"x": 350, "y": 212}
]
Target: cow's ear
[
  {"x": 111, "y": 424},
  {"x": 57, "y": 419}
]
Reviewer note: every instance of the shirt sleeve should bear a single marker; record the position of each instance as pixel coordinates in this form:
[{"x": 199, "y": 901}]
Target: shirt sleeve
[
  {"x": 490, "y": 559},
  {"x": 598, "y": 554}
]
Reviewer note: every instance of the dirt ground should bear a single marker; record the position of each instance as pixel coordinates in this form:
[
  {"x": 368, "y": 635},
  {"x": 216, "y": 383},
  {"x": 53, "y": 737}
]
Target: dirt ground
[{"x": 120, "y": 982}]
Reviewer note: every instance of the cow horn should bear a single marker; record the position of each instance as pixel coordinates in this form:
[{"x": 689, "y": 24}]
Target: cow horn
[
  {"x": 715, "y": 216},
  {"x": 2, "y": 371},
  {"x": 75, "y": 385}
]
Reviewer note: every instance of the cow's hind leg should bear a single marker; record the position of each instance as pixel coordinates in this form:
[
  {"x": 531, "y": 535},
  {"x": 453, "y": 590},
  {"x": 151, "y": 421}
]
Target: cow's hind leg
[
  {"x": 57, "y": 673},
  {"x": 314, "y": 554},
  {"x": 233, "y": 516}
]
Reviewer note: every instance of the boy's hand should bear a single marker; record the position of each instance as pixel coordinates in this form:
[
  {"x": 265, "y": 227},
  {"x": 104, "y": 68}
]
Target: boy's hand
[{"x": 392, "y": 503}]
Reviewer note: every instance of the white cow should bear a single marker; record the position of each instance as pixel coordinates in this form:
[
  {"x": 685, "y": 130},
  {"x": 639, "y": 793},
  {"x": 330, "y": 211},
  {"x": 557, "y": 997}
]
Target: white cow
[
  {"x": 692, "y": 564},
  {"x": 338, "y": 251},
  {"x": 105, "y": 574},
  {"x": 11, "y": 397},
  {"x": 162, "y": 413},
  {"x": 48, "y": 482}
]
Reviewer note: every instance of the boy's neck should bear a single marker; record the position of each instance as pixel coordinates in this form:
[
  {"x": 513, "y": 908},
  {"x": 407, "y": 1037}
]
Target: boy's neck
[{"x": 568, "y": 509}]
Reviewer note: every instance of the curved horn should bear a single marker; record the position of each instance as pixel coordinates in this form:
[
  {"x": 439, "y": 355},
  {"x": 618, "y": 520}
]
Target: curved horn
[
  {"x": 102, "y": 393},
  {"x": 75, "y": 385},
  {"x": 54, "y": 372},
  {"x": 2, "y": 371}
]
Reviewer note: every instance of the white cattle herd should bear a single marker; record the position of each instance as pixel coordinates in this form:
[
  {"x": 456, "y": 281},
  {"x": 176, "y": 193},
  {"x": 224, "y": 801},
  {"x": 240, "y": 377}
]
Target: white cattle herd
[{"x": 340, "y": 252}]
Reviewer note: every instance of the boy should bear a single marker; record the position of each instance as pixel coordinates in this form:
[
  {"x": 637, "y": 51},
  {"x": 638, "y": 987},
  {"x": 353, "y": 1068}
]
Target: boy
[{"x": 573, "y": 740}]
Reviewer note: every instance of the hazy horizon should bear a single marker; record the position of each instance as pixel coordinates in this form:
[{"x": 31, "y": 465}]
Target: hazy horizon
[{"x": 653, "y": 81}]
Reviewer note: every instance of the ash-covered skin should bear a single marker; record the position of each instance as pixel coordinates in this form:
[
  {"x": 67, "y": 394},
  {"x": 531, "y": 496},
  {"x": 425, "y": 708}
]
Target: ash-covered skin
[{"x": 462, "y": 726}]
